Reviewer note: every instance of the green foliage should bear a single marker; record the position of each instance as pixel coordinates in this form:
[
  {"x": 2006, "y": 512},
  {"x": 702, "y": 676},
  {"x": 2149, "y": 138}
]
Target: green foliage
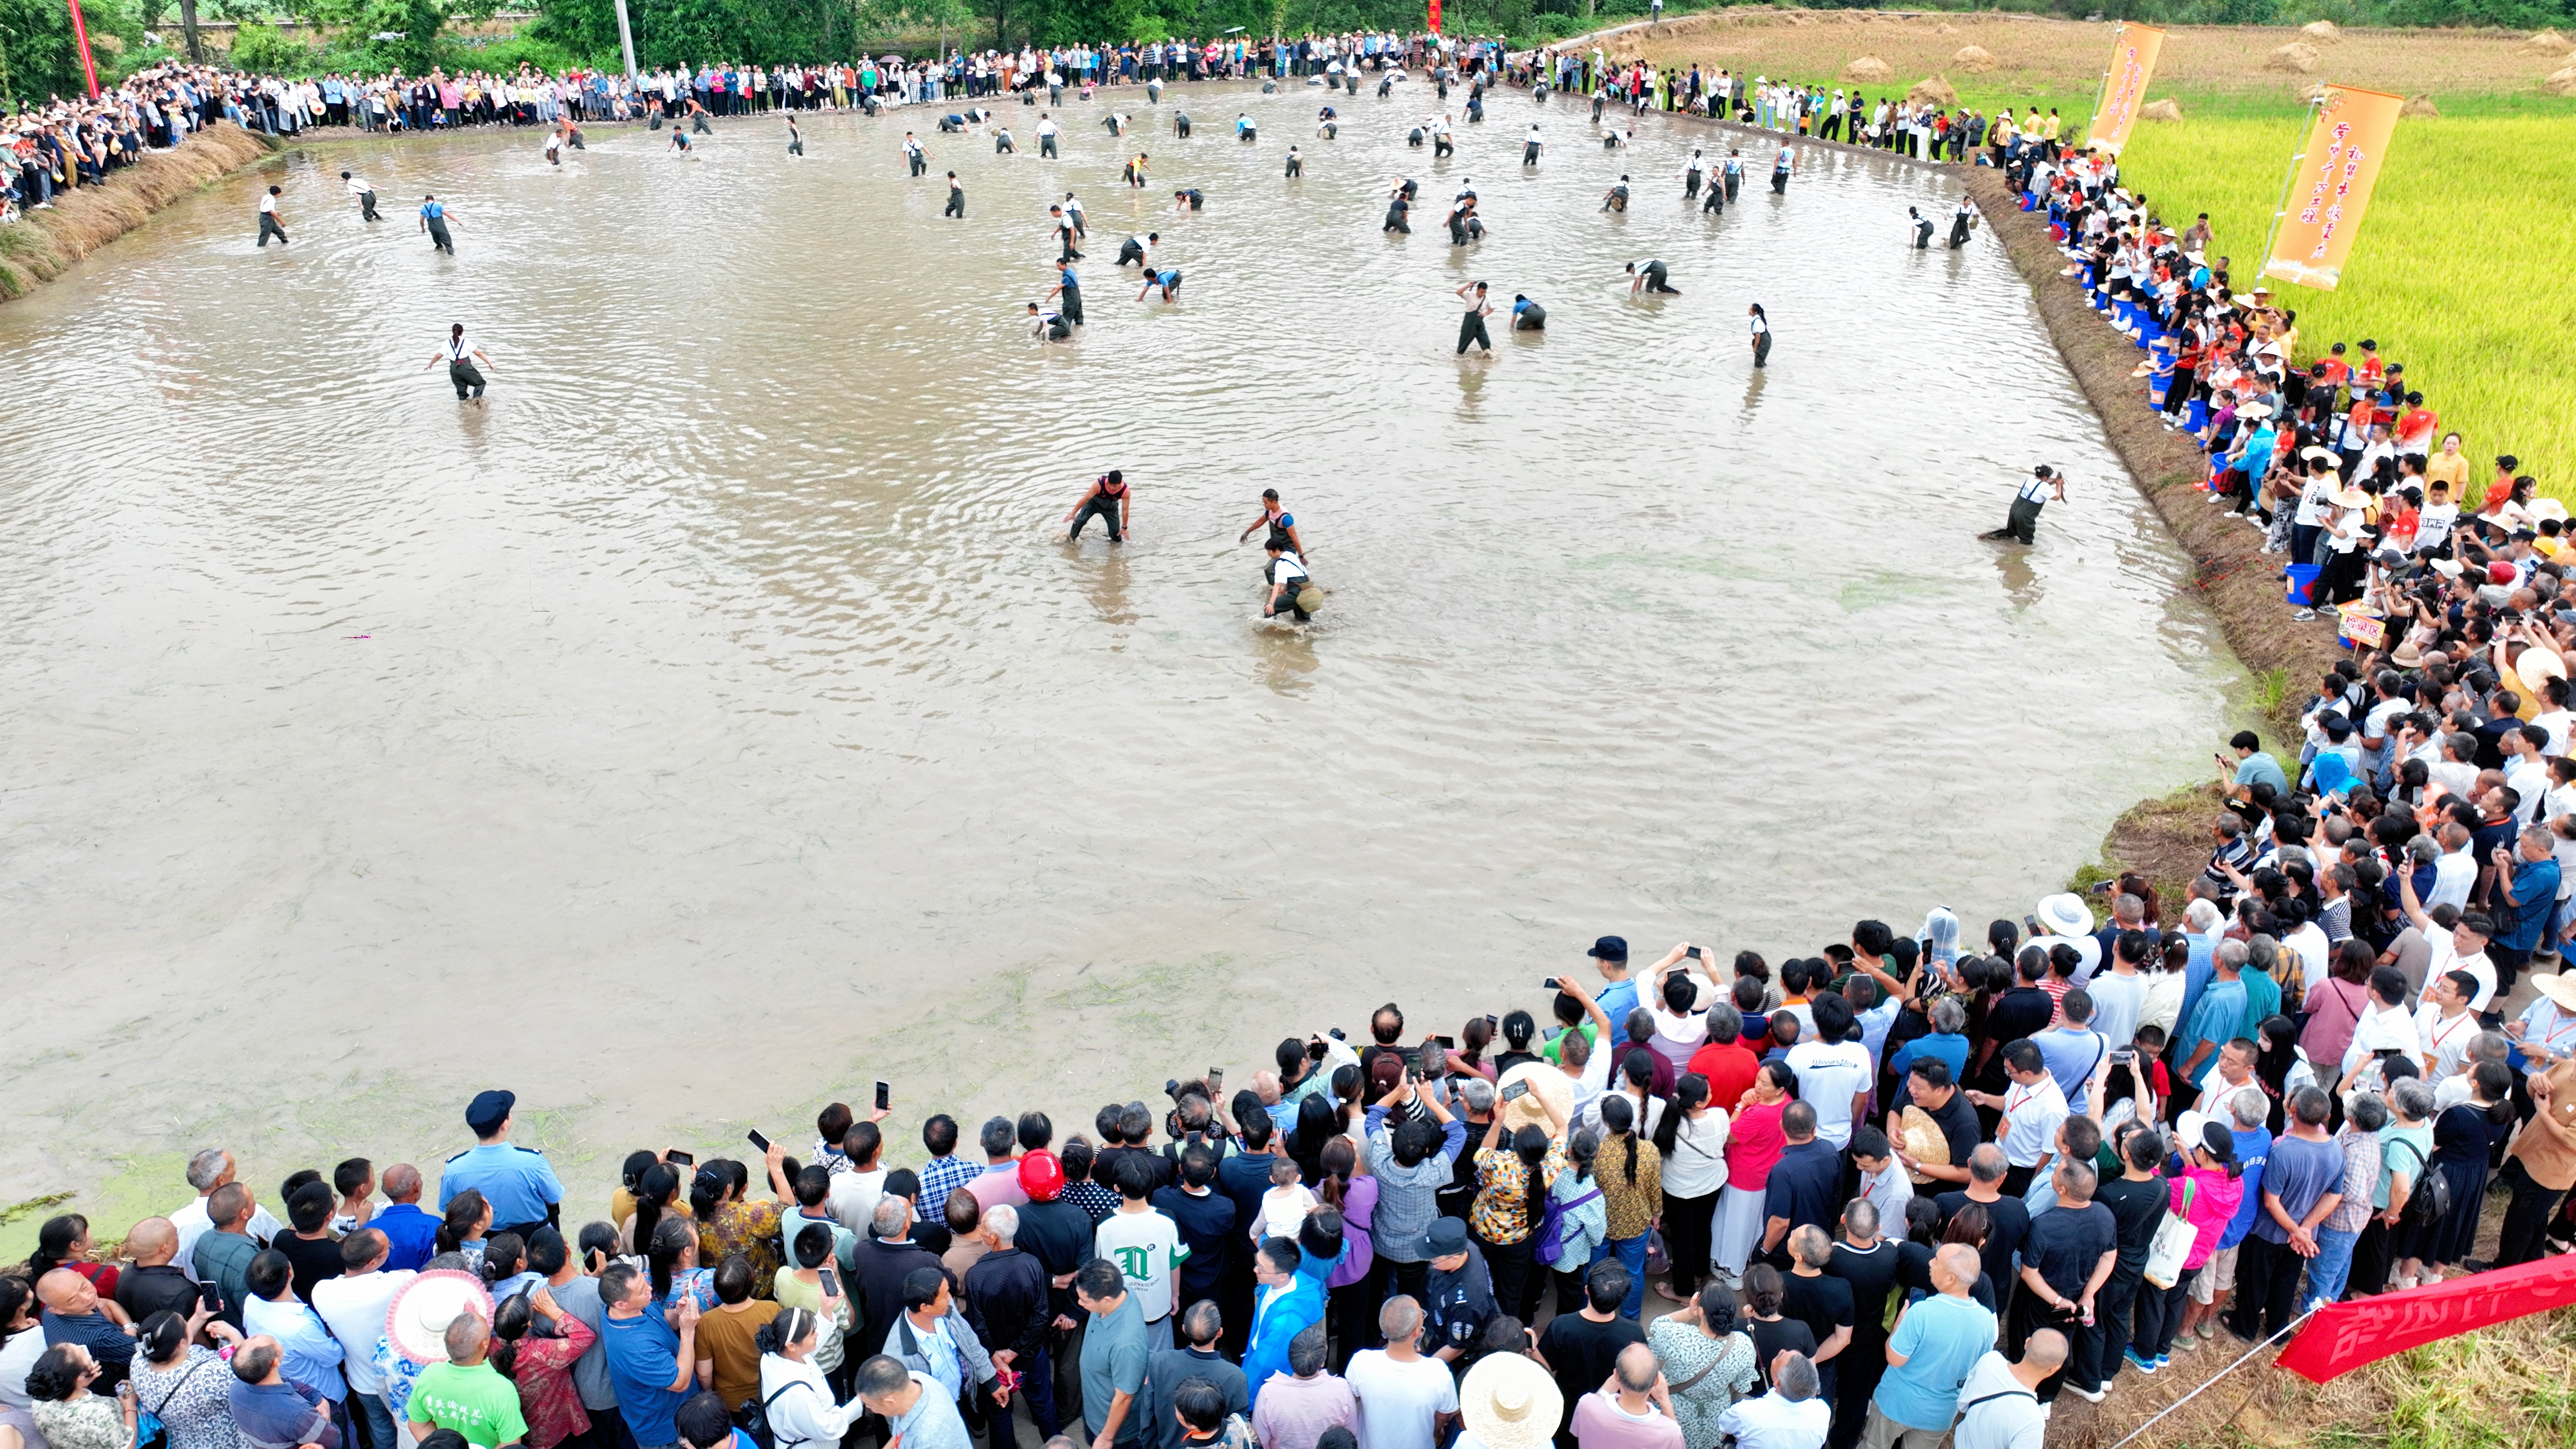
[
  {"x": 38, "y": 57},
  {"x": 261, "y": 49}
]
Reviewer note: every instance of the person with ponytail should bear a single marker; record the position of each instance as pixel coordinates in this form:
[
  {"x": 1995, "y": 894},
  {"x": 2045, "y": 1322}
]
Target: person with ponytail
[
  {"x": 1707, "y": 1360},
  {"x": 1773, "y": 1333},
  {"x": 183, "y": 1383},
  {"x": 1632, "y": 1195},
  {"x": 630, "y": 1183},
  {"x": 657, "y": 1193},
  {"x": 461, "y": 1230},
  {"x": 541, "y": 1365},
  {"x": 505, "y": 1267},
  {"x": 65, "y": 1242},
  {"x": 671, "y": 1262},
  {"x": 1691, "y": 1141},
  {"x": 730, "y": 1222},
  {"x": 1582, "y": 1224},
  {"x": 1353, "y": 1194},
  {"x": 797, "y": 1397},
  {"x": 1516, "y": 1172}
]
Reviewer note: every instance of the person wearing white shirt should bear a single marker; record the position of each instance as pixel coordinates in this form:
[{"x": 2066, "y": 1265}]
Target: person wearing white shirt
[
  {"x": 800, "y": 1417},
  {"x": 2446, "y": 1022},
  {"x": 856, "y": 1187},
  {"x": 207, "y": 1171},
  {"x": 2461, "y": 948},
  {"x": 1405, "y": 1399},
  {"x": 1834, "y": 1074},
  {"x": 1674, "y": 1000},
  {"x": 2385, "y": 1024},
  {"x": 1794, "y": 1415},
  {"x": 2033, "y": 1109},
  {"x": 353, "y": 1307}
]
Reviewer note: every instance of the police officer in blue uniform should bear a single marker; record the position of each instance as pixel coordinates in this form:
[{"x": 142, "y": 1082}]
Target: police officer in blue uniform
[
  {"x": 518, "y": 1181},
  {"x": 1459, "y": 1300}
]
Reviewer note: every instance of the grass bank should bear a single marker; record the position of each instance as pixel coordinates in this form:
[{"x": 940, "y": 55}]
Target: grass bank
[
  {"x": 39, "y": 248},
  {"x": 2457, "y": 273}
]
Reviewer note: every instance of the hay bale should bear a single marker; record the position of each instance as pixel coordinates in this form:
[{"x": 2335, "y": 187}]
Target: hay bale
[
  {"x": 2419, "y": 106},
  {"x": 2561, "y": 82},
  {"x": 2545, "y": 42},
  {"x": 1945, "y": 28},
  {"x": 2296, "y": 58},
  {"x": 1974, "y": 59},
  {"x": 2167, "y": 109},
  {"x": 1933, "y": 88},
  {"x": 2321, "y": 32},
  {"x": 1867, "y": 68}
]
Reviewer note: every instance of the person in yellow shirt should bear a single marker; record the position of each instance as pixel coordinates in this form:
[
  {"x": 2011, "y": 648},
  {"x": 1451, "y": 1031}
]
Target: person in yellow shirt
[{"x": 2449, "y": 466}]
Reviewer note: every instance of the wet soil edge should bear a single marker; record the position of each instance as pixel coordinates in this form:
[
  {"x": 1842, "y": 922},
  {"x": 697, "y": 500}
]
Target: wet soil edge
[{"x": 2240, "y": 584}]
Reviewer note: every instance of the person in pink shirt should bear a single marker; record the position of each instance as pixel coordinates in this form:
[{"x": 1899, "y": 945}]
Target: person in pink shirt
[
  {"x": 1633, "y": 1409},
  {"x": 2206, "y": 1195}
]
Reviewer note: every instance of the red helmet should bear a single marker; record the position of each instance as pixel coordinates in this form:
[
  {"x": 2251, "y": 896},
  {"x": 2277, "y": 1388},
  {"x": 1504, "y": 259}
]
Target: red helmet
[{"x": 1041, "y": 1176}]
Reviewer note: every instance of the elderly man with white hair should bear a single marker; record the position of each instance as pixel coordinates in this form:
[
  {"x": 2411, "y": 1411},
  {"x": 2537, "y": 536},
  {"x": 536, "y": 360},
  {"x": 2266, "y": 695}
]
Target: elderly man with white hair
[{"x": 208, "y": 1170}]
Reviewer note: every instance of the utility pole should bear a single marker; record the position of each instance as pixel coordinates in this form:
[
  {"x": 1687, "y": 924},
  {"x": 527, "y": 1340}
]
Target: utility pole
[{"x": 625, "y": 37}]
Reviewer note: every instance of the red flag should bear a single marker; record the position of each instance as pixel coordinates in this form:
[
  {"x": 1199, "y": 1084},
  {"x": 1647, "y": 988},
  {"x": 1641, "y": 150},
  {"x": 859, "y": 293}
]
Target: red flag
[
  {"x": 2344, "y": 1336},
  {"x": 1435, "y": 17},
  {"x": 80, "y": 33}
]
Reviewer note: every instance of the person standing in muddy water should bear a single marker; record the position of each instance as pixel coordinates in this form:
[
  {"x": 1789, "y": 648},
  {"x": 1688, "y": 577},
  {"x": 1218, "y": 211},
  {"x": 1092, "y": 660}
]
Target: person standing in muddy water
[
  {"x": 1281, "y": 523},
  {"x": 1108, "y": 500},
  {"x": 2045, "y": 485},
  {"x": 459, "y": 353}
]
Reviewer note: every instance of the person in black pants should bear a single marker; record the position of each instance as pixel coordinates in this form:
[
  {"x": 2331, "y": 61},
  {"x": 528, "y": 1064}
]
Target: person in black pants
[
  {"x": 2137, "y": 1199},
  {"x": 1108, "y": 501}
]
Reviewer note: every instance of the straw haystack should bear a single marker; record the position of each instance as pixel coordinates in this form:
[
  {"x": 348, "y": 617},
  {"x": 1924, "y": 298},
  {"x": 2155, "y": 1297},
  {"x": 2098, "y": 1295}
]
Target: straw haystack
[
  {"x": 1933, "y": 88},
  {"x": 2167, "y": 109},
  {"x": 2296, "y": 58},
  {"x": 2321, "y": 32},
  {"x": 2561, "y": 82},
  {"x": 2546, "y": 42},
  {"x": 1974, "y": 59},
  {"x": 2419, "y": 106},
  {"x": 1867, "y": 68}
]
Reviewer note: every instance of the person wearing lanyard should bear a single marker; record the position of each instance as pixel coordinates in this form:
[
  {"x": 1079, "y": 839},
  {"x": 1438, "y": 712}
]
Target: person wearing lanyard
[
  {"x": 2043, "y": 486},
  {"x": 459, "y": 354},
  {"x": 2545, "y": 1035}
]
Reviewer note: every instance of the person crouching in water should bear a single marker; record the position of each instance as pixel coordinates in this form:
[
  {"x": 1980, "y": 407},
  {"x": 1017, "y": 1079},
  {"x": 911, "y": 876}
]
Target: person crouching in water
[{"x": 1288, "y": 585}]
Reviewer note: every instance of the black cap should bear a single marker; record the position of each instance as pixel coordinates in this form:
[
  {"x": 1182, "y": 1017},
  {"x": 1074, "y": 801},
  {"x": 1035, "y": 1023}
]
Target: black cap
[
  {"x": 489, "y": 1110},
  {"x": 1446, "y": 1238},
  {"x": 1610, "y": 948}
]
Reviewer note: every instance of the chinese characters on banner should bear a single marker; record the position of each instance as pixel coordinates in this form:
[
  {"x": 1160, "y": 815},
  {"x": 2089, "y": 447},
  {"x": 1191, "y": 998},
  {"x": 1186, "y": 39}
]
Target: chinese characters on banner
[
  {"x": 2134, "y": 49},
  {"x": 2329, "y": 192},
  {"x": 2345, "y": 1336},
  {"x": 1435, "y": 17}
]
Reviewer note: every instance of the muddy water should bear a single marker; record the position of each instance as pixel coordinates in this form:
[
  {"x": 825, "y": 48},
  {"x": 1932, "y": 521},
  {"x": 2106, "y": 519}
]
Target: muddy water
[{"x": 717, "y": 719}]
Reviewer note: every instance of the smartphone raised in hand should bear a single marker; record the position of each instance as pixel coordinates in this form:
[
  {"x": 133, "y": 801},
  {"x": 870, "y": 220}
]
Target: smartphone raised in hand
[
  {"x": 831, "y": 1283},
  {"x": 1216, "y": 1079},
  {"x": 758, "y": 1142},
  {"x": 1548, "y": 983},
  {"x": 1691, "y": 953},
  {"x": 678, "y": 1158},
  {"x": 885, "y": 1096},
  {"x": 1515, "y": 1091}
]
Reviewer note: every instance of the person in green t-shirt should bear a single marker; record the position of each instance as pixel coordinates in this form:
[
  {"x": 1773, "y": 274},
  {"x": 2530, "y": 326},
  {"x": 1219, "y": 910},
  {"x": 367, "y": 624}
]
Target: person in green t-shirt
[{"x": 467, "y": 1394}]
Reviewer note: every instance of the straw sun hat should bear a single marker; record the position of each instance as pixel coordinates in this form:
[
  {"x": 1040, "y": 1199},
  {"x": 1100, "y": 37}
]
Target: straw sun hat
[
  {"x": 1509, "y": 1402},
  {"x": 416, "y": 1322},
  {"x": 1547, "y": 1084}
]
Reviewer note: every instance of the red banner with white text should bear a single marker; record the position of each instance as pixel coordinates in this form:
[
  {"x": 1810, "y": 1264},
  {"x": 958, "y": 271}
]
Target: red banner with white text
[{"x": 2345, "y": 1336}]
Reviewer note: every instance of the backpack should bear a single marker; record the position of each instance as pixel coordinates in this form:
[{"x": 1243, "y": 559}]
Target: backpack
[
  {"x": 1553, "y": 1227},
  {"x": 2430, "y": 1202}
]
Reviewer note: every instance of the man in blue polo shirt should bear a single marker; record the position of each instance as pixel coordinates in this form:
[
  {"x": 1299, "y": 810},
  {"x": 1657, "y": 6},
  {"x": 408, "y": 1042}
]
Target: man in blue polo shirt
[
  {"x": 651, "y": 1364},
  {"x": 517, "y": 1181},
  {"x": 1619, "y": 998}
]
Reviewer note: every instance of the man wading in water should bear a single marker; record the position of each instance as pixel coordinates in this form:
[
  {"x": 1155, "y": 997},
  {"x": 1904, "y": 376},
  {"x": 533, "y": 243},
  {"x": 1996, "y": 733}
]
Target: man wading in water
[
  {"x": 1281, "y": 523},
  {"x": 459, "y": 354},
  {"x": 1108, "y": 499},
  {"x": 2044, "y": 485}
]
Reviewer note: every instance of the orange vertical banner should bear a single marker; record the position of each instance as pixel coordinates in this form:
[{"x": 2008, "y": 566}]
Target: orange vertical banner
[
  {"x": 2330, "y": 188},
  {"x": 2134, "y": 49}
]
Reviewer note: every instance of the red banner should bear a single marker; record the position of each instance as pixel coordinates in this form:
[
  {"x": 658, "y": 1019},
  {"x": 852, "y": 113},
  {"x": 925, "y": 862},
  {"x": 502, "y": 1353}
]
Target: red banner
[
  {"x": 2346, "y": 1336},
  {"x": 1435, "y": 17}
]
